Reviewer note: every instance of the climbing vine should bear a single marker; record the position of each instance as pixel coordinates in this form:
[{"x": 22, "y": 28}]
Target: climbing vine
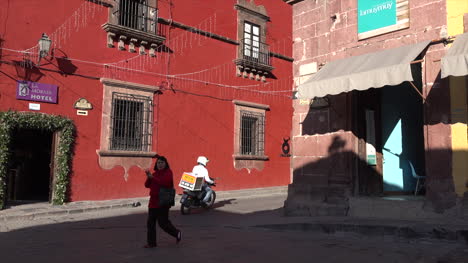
[{"x": 10, "y": 120}]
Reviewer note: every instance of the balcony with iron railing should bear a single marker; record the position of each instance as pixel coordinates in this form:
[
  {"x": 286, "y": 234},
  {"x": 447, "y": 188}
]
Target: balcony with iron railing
[
  {"x": 254, "y": 55},
  {"x": 131, "y": 19}
]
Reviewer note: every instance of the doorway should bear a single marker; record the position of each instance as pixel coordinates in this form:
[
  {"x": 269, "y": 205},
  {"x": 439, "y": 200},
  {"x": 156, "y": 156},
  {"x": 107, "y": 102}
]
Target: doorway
[
  {"x": 29, "y": 177},
  {"x": 402, "y": 137},
  {"x": 391, "y": 136}
]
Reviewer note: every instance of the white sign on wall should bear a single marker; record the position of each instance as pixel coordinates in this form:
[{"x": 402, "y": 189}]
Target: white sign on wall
[{"x": 34, "y": 106}]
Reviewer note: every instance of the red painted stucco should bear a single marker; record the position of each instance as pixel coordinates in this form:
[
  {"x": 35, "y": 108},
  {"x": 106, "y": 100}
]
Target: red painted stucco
[{"x": 196, "y": 119}]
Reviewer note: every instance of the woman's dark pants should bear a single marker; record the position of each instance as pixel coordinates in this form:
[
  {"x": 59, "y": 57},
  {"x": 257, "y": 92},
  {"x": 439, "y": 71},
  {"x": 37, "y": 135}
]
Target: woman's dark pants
[{"x": 162, "y": 216}]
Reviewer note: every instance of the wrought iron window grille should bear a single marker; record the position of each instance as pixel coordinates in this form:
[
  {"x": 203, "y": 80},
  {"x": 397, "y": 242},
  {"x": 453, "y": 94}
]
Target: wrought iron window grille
[
  {"x": 137, "y": 14},
  {"x": 131, "y": 122},
  {"x": 252, "y": 133}
]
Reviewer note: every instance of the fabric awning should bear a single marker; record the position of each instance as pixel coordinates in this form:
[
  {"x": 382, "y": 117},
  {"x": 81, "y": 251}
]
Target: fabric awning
[
  {"x": 372, "y": 70},
  {"x": 455, "y": 62}
]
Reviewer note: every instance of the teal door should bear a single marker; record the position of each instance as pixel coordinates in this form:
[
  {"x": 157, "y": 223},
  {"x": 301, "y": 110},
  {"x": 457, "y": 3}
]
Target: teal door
[
  {"x": 402, "y": 137},
  {"x": 393, "y": 147}
]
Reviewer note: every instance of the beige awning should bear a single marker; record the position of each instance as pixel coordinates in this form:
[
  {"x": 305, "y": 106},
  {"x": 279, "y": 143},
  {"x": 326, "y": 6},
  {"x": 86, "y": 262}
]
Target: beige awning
[
  {"x": 455, "y": 62},
  {"x": 372, "y": 70}
]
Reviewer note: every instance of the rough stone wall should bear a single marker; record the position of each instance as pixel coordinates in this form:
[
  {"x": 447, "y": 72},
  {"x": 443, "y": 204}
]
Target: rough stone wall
[
  {"x": 326, "y": 30},
  {"x": 465, "y": 23}
]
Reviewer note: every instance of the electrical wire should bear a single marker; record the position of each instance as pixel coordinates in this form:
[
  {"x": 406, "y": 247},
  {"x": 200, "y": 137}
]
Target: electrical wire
[{"x": 238, "y": 87}]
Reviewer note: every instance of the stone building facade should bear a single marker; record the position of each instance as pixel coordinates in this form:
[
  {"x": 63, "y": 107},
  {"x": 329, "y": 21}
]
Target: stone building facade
[{"x": 359, "y": 128}]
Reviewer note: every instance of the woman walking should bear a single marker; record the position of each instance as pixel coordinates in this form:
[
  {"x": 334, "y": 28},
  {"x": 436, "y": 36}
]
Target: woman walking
[{"x": 161, "y": 177}]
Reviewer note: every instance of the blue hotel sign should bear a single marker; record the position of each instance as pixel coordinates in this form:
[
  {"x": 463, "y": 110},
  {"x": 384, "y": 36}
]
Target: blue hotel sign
[{"x": 376, "y": 14}]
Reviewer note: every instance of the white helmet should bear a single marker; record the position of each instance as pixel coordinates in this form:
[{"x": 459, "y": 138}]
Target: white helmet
[{"x": 202, "y": 160}]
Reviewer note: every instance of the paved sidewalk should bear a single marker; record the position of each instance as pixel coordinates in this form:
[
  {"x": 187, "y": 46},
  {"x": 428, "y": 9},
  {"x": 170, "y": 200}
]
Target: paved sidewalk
[
  {"x": 32, "y": 211},
  {"x": 446, "y": 229}
]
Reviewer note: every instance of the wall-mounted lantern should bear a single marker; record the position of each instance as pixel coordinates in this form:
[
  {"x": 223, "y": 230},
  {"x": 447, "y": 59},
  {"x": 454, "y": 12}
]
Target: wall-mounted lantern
[{"x": 44, "y": 47}]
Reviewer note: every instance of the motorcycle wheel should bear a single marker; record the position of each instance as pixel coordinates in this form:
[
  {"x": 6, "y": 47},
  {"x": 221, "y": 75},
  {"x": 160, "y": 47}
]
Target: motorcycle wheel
[
  {"x": 184, "y": 210},
  {"x": 212, "y": 200}
]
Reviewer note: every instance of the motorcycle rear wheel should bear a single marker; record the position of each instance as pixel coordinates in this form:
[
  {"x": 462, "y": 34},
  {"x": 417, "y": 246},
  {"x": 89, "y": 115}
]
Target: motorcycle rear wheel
[
  {"x": 212, "y": 200},
  {"x": 184, "y": 210}
]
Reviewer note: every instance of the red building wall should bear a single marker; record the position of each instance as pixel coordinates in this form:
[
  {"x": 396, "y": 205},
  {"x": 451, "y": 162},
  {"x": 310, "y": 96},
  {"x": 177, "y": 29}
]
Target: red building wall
[{"x": 194, "y": 114}]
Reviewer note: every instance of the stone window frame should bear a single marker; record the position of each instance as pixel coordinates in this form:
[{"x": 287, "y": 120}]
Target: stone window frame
[
  {"x": 110, "y": 86},
  {"x": 109, "y": 159},
  {"x": 254, "y": 108},
  {"x": 133, "y": 38},
  {"x": 131, "y": 122},
  {"x": 249, "y": 12}
]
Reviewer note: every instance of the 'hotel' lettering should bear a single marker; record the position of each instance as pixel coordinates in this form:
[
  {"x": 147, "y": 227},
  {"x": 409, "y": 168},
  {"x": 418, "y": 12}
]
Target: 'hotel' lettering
[{"x": 41, "y": 97}]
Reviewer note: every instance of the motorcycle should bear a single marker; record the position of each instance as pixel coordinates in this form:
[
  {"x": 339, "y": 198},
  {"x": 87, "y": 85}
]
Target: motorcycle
[{"x": 193, "y": 199}]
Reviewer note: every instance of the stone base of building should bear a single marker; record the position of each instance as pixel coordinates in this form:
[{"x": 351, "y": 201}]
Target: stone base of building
[{"x": 308, "y": 200}]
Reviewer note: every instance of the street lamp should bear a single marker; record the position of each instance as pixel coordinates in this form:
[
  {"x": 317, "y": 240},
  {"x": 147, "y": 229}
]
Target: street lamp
[{"x": 44, "y": 46}]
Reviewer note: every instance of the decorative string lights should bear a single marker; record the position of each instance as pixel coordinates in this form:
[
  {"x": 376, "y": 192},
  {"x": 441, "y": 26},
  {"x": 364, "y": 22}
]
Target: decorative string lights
[{"x": 173, "y": 52}]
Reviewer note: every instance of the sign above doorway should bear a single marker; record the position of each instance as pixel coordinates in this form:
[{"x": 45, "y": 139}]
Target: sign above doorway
[{"x": 33, "y": 91}]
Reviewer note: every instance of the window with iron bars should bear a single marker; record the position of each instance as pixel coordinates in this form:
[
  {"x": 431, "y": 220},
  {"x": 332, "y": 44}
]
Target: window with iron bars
[
  {"x": 137, "y": 14},
  {"x": 130, "y": 122},
  {"x": 252, "y": 133}
]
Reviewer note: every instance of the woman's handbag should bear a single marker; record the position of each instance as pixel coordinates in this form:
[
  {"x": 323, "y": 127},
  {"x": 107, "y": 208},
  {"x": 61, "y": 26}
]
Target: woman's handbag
[{"x": 166, "y": 196}]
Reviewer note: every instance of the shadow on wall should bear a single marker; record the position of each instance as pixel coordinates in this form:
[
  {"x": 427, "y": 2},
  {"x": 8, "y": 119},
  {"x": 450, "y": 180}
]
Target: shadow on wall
[
  {"x": 1, "y": 50},
  {"x": 437, "y": 108},
  {"x": 27, "y": 70},
  {"x": 326, "y": 115},
  {"x": 342, "y": 173},
  {"x": 65, "y": 66},
  {"x": 332, "y": 177}
]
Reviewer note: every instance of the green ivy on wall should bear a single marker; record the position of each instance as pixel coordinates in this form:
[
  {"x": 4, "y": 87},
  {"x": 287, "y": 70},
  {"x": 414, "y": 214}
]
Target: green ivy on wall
[{"x": 10, "y": 120}]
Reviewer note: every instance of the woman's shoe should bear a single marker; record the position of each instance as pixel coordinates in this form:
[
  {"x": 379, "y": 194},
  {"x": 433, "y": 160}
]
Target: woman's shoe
[
  {"x": 149, "y": 246},
  {"x": 179, "y": 237}
]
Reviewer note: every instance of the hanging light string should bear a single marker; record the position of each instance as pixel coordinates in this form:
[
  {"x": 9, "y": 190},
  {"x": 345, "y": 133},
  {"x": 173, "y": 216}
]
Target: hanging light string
[
  {"x": 88, "y": 9},
  {"x": 278, "y": 43},
  {"x": 78, "y": 20},
  {"x": 238, "y": 87},
  {"x": 179, "y": 42}
]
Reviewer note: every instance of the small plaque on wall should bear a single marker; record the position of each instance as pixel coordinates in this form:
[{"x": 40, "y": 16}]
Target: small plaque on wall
[{"x": 83, "y": 104}]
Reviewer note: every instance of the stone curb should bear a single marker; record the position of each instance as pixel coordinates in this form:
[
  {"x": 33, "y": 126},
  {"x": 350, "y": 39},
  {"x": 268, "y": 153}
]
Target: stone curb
[{"x": 393, "y": 232}]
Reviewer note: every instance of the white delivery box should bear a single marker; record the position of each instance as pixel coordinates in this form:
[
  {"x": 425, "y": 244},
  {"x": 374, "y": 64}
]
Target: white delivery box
[{"x": 191, "y": 182}]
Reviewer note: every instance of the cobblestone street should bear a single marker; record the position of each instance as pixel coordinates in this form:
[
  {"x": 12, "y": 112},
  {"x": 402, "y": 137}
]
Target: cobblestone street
[{"x": 233, "y": 232}]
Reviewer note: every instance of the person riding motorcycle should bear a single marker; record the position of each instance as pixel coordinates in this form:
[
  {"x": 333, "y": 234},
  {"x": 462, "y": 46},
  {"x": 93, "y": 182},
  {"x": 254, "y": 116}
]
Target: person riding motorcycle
[{"x": 200, "y": 171}]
